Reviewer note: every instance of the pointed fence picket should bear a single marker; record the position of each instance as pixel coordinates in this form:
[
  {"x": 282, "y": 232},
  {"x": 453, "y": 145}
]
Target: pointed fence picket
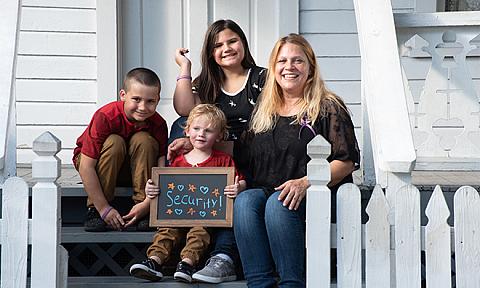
[
  {"x": 407, "y": 237},
  {"x": 377, "y": 242},
  {"x": 467, "y": 237},
  {"x": 14, "y": 233},
  {"x": 437, "y": 242},
  {"x": 349, "y": 237}
]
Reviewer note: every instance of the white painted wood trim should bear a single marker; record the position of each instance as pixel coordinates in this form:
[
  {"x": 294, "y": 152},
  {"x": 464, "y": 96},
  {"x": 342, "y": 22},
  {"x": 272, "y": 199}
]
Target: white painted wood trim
[
  {"x": 349, "y": 237},
  {"x": 107, "y": 51},
  {"x": 387, "y": 109},
  {"x": 10, "y": 16},
  {"x": 470, "y": 18},
  {"x": 14, "y": 236},
  {"x": 437, "y": 242},
  {"x": 318, "y": 214}
]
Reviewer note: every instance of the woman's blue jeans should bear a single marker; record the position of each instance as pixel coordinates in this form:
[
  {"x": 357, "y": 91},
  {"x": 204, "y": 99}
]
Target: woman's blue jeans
[{"x": 270, "y": 235}]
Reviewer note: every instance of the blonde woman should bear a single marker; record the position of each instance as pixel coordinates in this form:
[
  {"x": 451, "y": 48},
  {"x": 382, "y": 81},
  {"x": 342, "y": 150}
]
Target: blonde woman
[{"x": 294, "y": 107}]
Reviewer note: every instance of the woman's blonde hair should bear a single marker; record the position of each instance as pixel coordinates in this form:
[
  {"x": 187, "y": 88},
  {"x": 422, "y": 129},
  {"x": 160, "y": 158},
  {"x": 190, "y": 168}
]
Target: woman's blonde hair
[
  {"x": 315, "y": 93},
  {"x": 215, "y": 116}
]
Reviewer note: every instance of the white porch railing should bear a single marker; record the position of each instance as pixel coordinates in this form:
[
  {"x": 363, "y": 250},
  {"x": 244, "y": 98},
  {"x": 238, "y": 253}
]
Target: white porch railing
[
  {"x": 10, "y": 19},
  {"x": 49, "y": 260},
  {"x": 440, "y": 53},
  {"x": 380, "y": 237}
]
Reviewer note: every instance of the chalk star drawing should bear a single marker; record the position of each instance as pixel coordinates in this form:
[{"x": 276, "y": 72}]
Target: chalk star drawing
[
  {"x": 192, "y": 187},
  {"x": 169, "y": 211},
  {"x": 214, "y": 212},
  {"x": 215, "y": 192},
  {"x": 171, "y": 186},
  {"x": 191, "y": 211}
]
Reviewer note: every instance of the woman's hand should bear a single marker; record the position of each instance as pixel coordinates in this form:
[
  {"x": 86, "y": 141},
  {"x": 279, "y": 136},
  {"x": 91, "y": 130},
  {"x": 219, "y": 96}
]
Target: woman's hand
[
  {"x": 181, "y": 59},
  {"x": 293, "y": 192},
  {"x": 178, "y": 147}
]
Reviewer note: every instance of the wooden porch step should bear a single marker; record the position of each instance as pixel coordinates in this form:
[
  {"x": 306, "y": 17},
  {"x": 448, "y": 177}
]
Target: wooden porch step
[
  {"x": 78, "y": 235},
  {"x": 131, "y": 282}
]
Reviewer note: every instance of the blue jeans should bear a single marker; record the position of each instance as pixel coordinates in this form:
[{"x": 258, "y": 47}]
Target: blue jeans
[
  {"x": 176, "y": 131},
  {"x": 269, "y": 235}
]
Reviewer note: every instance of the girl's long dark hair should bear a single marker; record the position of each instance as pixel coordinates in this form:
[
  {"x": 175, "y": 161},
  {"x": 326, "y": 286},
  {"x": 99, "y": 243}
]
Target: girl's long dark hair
[{"x": 211, "y": 77}]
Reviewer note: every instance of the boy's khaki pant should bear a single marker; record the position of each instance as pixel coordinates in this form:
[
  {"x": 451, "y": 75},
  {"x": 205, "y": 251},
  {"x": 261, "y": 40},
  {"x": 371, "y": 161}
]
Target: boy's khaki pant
[
  {"x": 126, "y": 164},
  {"x": 197, "y": 241}
]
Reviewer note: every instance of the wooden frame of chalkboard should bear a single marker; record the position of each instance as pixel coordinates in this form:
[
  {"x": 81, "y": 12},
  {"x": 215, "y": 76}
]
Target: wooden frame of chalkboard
[{"x": 192, "y": 197}]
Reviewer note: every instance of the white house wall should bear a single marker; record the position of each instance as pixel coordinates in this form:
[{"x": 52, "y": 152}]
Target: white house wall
[
  {"x": 56, "y": 76},
  {"x": 331, "y": 29}
]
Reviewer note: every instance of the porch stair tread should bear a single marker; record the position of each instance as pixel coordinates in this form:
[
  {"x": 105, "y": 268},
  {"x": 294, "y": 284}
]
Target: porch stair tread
[
  {"x": 131, "y": 282},
  {"x": 77, "y": 234}
]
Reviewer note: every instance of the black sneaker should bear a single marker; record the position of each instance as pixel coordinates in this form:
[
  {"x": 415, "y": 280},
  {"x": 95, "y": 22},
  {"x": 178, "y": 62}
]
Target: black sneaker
[
  {"x": 184, "y": 272},
  {"x": 93, "y": 221},
  {"x": 143, "y": 225},
  {"x": 148, "y": 270}
]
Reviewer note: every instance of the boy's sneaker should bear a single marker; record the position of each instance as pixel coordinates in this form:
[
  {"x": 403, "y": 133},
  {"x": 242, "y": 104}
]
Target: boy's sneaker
[
  {"x": 149, "y": 269},
  {"x": 184, "y": 272},
  {"x": 93, "y": 221},
  {"x": 216, "y": 270}
]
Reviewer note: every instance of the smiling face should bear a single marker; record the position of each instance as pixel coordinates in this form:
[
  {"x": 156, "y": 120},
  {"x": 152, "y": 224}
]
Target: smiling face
[
  {"x": 291, "y": 69},
  {"x": 203, "y": 135},
  {"x": 140, "y": 101},
  {"x": 228, "y": 50}
]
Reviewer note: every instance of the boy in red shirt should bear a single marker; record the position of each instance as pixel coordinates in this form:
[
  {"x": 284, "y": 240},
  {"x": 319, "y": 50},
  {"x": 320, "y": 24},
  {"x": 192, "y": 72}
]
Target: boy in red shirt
[
  {"x": 123, "y": 141},
  {"x": 205, "y": 126}
]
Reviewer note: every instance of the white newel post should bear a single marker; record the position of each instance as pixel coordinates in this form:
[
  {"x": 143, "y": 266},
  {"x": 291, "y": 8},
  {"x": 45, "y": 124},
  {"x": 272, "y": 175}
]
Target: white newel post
[
  {"x": 49, "y": 258},
  {"x": 318, "y": 214}
]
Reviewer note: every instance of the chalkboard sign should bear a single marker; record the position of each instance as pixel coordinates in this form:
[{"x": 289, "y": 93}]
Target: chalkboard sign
[{"x": 192, "y": 197}]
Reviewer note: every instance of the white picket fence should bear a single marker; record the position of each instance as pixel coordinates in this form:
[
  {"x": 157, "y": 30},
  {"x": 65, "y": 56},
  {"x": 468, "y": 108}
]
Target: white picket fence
[
  {"x": 392, "y": 247},
  {"x": 49, "y": 260}
]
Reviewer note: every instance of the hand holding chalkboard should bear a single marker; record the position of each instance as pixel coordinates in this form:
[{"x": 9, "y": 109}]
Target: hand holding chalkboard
[{"x": 192, "y": 197}]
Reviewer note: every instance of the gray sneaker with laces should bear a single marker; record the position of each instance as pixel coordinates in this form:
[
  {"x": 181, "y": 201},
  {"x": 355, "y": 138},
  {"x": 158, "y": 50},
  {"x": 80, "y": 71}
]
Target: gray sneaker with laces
[{"x": 216, "y": 270}]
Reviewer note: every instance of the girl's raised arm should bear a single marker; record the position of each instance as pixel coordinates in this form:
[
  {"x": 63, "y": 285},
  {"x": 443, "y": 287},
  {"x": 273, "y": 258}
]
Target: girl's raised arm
[{"x": 184, "y": 99}]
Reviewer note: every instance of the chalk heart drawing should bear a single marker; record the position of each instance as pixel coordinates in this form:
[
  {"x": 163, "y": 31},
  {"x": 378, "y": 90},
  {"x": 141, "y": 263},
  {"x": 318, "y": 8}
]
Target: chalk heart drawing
[
  {"x": 180, "y": 187},
  {"x": 178, "y": 211},
  {"x": 204, "y": 189},
  {"x": 202, "y": 213}
]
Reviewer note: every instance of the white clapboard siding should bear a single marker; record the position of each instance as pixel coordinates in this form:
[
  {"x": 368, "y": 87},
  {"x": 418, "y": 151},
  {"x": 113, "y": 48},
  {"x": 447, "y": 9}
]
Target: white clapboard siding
[
  {"x": 467, "y": 237},
  {"x": 339, "y": 68},
  {"x": 321, "y": 21},
  {"x": 14, "y": 236},
  {"x": 60, "y": 3},
  {"x": 54, "y": 43},
  {"x": 377, "y": 242},
  {"x": 347, "y": 90},
  {"x": 58, "y": 19},
  {"x": 47, "y": 90},
  {"x": 349, "y": 237},
  {"x": 334, "y": 45},
  {"x": 27, "y": 155},
  {"x": 437, "y": 242},
  {"x": 346, "y": 4},
  {"x": 407, "y": 237},
  {"x": 68, "y": 134},
  {"x": 54, "y": 67},
  {"x": 54, "y": 113}
]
